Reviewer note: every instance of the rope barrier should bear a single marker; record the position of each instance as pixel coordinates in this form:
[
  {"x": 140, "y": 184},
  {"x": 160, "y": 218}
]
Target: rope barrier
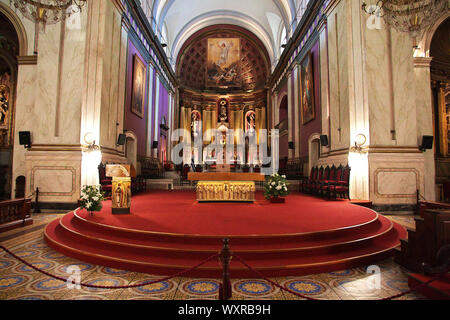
[
  {"x": 440, "y": 276},
  {"x": 111, "y": 287},
  {"x": 183, "y": 272}
]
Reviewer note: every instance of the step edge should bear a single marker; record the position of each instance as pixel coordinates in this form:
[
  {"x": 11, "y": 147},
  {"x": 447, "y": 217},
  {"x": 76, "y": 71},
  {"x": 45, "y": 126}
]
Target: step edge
[
  {"x": 298, "y": 266},
  {"x": 275, "y": 250}
]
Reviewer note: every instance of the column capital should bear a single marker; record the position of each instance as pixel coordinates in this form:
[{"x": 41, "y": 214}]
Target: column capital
[{"x": 422, "y": 62}]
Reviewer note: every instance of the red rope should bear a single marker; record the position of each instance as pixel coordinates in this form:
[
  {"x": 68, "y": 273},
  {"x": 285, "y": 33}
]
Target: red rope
[
  {"x": 440, "y": 276},
  {"x": 112, "y": 287}
]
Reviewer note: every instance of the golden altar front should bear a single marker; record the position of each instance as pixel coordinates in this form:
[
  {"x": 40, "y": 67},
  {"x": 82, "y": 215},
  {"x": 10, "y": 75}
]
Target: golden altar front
[{"x": 225, "y": 186}]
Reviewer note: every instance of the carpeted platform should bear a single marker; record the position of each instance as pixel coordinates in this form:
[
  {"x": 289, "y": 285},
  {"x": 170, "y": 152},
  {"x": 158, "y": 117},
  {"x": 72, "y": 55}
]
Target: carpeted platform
[{"x": 169, "y": 231}]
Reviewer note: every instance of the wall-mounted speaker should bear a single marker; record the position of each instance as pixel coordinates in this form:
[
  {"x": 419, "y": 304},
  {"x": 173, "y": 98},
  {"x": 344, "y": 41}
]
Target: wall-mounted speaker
[
  {"x": 291, "y": 145},
  {"x": 324, "y": 140},
  {"x": 427, "y": 143},
  {"x": 121, "y": 140},
  {"x": 155, "y": 144},
  {"x": 25, "y": 139}
]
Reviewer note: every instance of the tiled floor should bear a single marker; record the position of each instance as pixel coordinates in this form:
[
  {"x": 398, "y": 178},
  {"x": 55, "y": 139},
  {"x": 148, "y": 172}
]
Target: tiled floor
[{"x": 18, "y": 281}]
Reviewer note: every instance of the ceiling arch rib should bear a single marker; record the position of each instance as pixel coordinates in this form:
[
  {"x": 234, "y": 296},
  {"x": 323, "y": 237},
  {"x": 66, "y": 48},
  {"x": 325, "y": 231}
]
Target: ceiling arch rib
[{"x": 223, "y": 17}]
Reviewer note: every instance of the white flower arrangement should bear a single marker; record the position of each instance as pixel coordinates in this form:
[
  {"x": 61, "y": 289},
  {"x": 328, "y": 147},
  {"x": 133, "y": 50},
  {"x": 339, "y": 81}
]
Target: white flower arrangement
[
  {"x": 275, "y": 186},
  {"x": 91, "y": 198}
]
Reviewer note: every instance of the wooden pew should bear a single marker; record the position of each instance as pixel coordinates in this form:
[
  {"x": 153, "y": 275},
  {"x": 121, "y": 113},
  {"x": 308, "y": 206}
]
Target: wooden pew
[
  {"x": 15, "y": 214},
  {"x": 432, "y": 233}
]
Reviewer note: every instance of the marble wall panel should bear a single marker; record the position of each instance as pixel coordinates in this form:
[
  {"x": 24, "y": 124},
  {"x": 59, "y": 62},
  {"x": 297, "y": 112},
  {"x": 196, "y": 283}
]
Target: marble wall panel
[
  {"x": 394, "y": 178},
  {"x": 56, "y": 174}
]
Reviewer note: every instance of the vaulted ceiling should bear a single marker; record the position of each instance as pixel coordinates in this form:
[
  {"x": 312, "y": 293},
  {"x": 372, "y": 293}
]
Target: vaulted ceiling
[{"x": 175, "y": 21}]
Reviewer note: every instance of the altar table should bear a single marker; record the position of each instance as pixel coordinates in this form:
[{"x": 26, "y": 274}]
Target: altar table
[{"x": 225, "y": 186}]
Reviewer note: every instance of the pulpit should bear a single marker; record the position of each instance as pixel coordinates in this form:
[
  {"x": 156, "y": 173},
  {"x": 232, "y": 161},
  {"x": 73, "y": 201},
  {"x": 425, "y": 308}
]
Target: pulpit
[{"x": 121, "y": 186}]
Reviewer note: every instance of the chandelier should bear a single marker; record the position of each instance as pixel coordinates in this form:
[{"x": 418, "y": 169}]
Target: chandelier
[
  {"x": 411, "y": 16},
  {"x": 48, "y": 11}
]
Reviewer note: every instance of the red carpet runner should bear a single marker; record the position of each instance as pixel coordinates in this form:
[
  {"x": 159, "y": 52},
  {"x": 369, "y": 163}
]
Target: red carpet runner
[{"x": 169, "y": 231}]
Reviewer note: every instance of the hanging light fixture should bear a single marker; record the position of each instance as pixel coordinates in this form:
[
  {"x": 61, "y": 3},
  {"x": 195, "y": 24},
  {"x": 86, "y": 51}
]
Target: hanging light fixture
[
  {"x": 48, "y": 11},
  {"x": 411, "y": 16}
]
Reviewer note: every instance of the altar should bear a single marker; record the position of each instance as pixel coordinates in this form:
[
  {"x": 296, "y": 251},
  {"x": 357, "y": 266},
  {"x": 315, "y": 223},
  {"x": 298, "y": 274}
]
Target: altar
[{"x": 225, "y": 186}]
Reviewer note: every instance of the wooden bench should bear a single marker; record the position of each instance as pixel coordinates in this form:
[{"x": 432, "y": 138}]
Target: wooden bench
[
  {"x": 432, "y": 233},
  {"x": 15, "y": 214}
]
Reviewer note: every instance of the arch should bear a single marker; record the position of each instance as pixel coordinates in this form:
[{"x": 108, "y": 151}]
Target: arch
[
  {"x": 18, "y": 26},
  {"x": 278, "y": 106},
  {"x": 313, "y": 149},
  {"x": 223, "y": 17},
  {"x": 286, "y": 9},
  {"x": 429, "y": 34},
  {"x": 131, "y": 149}
]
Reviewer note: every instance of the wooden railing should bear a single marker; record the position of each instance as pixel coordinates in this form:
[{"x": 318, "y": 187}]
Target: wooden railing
[{"x": 13, "y": 212}]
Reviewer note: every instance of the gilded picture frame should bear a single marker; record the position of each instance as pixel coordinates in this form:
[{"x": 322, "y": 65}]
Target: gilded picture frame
[
  {"x": 223, "y": 62},
  {"x": 307, "y": 103},
  {"x": 138, "y": 86}
]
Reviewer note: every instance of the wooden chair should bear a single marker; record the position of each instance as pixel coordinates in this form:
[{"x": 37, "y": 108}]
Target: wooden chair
[
  {"x": 304, "y": 182},
  {"x": 335, "y": 176},
  {"x": 341, "y": 188},
  {"x": 311, "y": 182}
]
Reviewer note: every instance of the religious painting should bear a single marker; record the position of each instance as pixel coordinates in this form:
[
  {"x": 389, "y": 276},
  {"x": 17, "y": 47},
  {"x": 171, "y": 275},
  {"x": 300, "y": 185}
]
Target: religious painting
[
  {"x": 250, "y": 121},
  {"x": 121, "y": 193},
  {"x": 223, "y": 111},
  {"x": 307, "y": 89},
  {"x": 196, "y": 123},
  {"x": 223, "y": 62},
  {"x": 138, "y": 90},
  {"x": 4, "y": 100}
]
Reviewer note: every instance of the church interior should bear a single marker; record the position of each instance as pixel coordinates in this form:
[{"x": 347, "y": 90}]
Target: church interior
[{"x": 224, "y": 150}]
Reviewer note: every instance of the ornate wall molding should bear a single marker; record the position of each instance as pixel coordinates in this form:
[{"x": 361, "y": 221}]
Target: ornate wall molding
[
  {"x": 72, "y": 170},
  {"x": 400, "y": 171}
]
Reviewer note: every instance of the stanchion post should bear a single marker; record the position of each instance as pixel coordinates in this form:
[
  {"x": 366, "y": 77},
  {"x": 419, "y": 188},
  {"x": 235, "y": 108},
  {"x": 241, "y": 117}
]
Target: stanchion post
[
  {"x": 36, "y": 204},
  {"x": 225, "y": 257}
]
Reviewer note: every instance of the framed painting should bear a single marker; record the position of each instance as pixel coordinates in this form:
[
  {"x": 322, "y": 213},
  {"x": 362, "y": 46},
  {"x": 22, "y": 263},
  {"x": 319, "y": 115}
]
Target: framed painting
[
  {"x": 250, "y": 121},
  {"x": 138, "y": 89},
  {"x": 222, "y": 69},
  {"x": 307, "y": 89}
]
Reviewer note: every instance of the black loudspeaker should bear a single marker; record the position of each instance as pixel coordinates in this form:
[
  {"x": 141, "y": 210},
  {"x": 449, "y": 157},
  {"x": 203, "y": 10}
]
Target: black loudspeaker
[
  {"x": 324, "y": 140},
  {"x": 291, "y": 145},
  {"x": 25, "y": 138},
  {"x": 427, "y": 143},
  {"x": 155, "y": 144},
  {"x": 121, "y": 140}
]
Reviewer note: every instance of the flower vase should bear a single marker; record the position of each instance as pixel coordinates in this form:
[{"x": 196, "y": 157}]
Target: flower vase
[{"x": 277, "y": 200}]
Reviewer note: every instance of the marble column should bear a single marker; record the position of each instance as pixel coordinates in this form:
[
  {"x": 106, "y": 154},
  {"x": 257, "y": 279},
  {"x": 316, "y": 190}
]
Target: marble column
[
  {"x": 297, "y": 121},
  {"x": 290, "y": 107},
  {"x": 156, "y": 123}
]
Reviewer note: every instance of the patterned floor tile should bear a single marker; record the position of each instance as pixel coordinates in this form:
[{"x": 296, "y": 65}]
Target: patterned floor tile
[{"x": 19, "y": 281}]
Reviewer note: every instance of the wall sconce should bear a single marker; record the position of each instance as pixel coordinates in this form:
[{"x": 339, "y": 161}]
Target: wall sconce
[
  {"x": 360, "y": 140},
  {"x": 90, "y": 143}
]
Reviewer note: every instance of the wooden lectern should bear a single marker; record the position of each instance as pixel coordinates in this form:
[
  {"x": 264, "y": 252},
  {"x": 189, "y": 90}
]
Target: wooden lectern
[{"x": 121, "y": 186}]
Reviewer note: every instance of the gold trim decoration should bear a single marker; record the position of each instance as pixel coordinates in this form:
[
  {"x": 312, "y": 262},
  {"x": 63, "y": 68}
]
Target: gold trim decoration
[
  {"x": 218, "y": 191},
  {"x": 27, "y": 60}
]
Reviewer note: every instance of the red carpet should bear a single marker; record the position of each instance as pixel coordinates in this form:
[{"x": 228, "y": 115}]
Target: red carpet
[{"x": 169, "y": 231}]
